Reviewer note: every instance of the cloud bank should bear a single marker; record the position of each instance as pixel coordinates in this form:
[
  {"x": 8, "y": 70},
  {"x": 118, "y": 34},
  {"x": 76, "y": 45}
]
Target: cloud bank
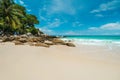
[
  {"x": 107, "y": 6},
  {"x": 108, "y": 26}
]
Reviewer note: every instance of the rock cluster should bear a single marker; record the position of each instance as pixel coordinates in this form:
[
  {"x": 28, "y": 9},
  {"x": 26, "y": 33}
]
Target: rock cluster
[{"x": 44, "y": 41}]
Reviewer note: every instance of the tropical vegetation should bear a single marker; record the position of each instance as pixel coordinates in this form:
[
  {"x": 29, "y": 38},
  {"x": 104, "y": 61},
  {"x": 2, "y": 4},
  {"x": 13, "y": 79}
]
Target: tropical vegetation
[{"x": 15, "y": 20}]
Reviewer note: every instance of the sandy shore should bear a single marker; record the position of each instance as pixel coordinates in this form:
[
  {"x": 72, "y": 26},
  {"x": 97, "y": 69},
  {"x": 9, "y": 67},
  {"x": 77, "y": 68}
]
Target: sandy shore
[{"x": 83, "y": 62}]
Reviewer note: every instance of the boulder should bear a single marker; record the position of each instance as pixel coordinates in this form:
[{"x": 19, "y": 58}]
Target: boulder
[
  {"x": 50, "y": 38},
  {"x": 17, "y": 38},
  {"x": 24, "y": 36},
  {"x": 23, "y": 40},
  {"x": 0, "y": 39},
  {"x": 41, "y": 44},
  {"x": 35, "y": 39},
  {"x": 49, "y": 43},
  {"x": 29, "y": 34},
  {"x": 42, "y": 40},
  {"x": 30, "y": 40},
  {"x": 58, "y": 41},
  {"x": 6, "y": 39},
  {"x": 31, "y": 44},
  {"x": 70, "y": 44},
  {"x": 12, "y": 38},
  {"x": 18, "y": 43}
]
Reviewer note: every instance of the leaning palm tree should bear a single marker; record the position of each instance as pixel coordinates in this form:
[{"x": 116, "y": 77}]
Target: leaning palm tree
[
  {"x": 29, "y": 22},
  {"x": 13, "y": 18},
  {"x": 11, "y": 14}
]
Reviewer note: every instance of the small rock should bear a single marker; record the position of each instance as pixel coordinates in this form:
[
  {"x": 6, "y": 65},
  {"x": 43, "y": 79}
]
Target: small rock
[
  {"x": 6, "y": 39},
  {"x": 24, "y": 36},
  {"x": 41, "y": 44},
  {"x": 31, "y": 44},
  {"x": 70, "y": 44},
  {"x": 0, "y": 37},
  {"x": 35, "y": 39},
  {"x": 49, "y": 43},
  {"x": 50, "y": 38},
  {"x": 58, "y": 41},
  {"x": 23, "y": 40},
  {"x": 17, "y": 38},
  {"x": 29, "y": 34},
  {"x": 18, "y": 43}
]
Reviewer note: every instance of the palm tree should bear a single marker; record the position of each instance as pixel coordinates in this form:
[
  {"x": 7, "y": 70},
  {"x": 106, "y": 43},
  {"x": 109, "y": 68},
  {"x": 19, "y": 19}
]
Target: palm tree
[
  {"x": 29, "y": 22},
  {"x": 10, "y": 14},
  {"x": 13, "y": 18}
]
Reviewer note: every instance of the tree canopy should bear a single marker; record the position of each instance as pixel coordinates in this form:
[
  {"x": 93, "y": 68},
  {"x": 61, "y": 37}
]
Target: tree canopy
[{"x": 15, "y": 19}]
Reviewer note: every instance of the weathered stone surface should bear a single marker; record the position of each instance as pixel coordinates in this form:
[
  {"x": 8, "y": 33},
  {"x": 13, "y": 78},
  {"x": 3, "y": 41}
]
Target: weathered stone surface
[
  {"x": 23, "y": 40},
  {"x": 49, "y": 43},
  {"x": 24, "y": 36},
  {"x": 50, "y": 38},
  {"x": 41, "y": 44},
  {"x": 0, "y": 37},
  {"x": 31, "y": 44},
  {"x": 58, "y": 41},
  {"x": 29, "y": 34},
  {"x": 17, "y": 38},
  {"x": 30, "y": 40},
  {"x": 40, "y": 39},
  {"x": 44, "y": 40},
  {"x": 18, "y": 43},
  {"x": 70, "y": 44},
  {"x": 6, "y": 39},
  {"x": 12, "y": 38},
  {"x": 35, "y": 39}
]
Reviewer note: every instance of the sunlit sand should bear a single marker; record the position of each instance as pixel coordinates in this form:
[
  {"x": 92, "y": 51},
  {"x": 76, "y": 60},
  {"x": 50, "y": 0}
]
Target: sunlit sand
[{"x": 59, "y": 62}]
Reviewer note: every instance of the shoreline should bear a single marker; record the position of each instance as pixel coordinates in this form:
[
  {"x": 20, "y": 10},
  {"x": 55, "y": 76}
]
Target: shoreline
[{"x": 91, "y": 51}]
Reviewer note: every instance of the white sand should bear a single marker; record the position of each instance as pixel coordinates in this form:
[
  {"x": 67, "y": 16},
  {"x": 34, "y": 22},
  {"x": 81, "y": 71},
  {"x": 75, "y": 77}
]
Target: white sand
[{"x": 59, "y": 63}]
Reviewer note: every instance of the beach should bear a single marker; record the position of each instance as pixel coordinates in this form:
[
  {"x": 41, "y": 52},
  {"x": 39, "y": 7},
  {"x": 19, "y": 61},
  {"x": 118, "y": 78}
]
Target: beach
[
  {"x": 59, "y": 62},
  {"x": 59, "y": 40}
]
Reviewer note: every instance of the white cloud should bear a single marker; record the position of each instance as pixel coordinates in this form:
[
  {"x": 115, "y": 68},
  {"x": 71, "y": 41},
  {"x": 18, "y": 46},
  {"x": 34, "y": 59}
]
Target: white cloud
[
  {"x": 70, "y": 33},
  {"x": 99, "y": 15},
  {"x": 22, "y": 3},
  {"x": 93, "y": 28},
  {"x": 62, "y": 6},
  {"x": 76, "y": 24},
  {"x": 107, "y": 6},
  {"x": 49, "y": 25},
  {"x": 15, "y": 1},
  {"x": 56, "y": 23},
  {"x": 111, "y": 26},
  {"x": 47, "y": 31},
  {"x": 42, "y": 18},
  {"x": 108, "y": 26},
  {"x": 29, "y": 10}
]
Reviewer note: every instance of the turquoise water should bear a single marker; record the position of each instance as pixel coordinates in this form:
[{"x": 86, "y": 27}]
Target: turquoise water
[
  {"x": 94, "y": 40},
  {"x": 94, "y": 37}
]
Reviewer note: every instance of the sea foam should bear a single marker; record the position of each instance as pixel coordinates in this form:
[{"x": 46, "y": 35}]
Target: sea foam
[{"x": 93, "y": 41}]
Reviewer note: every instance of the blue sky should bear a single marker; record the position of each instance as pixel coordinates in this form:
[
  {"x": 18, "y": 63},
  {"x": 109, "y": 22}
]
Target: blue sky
[{"x": 76, "y": 17}]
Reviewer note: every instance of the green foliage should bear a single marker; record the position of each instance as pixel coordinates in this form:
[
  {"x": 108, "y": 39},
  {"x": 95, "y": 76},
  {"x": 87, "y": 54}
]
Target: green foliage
[
  {"x": 13, "y": 18},
  {"x": 33, "y": 30}
]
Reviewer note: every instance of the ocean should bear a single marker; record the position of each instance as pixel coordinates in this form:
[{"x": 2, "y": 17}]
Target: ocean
[{"x": 94, "y": 40}]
